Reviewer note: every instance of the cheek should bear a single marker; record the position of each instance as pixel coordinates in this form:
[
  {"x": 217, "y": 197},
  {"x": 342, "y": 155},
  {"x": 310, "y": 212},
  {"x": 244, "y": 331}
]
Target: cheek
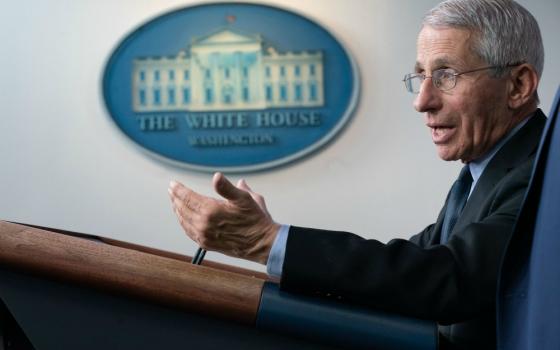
[
  {"x": 468, "y": 131},
  {"x": 464, "y": 122},
  {"x": 476, "y": 132},
  {"x": 470, "y": 127}
]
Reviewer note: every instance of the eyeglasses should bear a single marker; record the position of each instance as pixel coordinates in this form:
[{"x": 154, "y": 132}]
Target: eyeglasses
[{"x": 443, "y": 79}]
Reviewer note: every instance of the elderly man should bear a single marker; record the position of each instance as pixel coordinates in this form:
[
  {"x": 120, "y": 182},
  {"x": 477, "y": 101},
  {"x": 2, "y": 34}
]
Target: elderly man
[{"x": 476, "y": 75}]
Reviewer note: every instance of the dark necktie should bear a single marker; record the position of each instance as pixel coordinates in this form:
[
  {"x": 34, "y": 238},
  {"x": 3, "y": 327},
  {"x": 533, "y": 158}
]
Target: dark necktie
[{"x": 457, "y": 200}]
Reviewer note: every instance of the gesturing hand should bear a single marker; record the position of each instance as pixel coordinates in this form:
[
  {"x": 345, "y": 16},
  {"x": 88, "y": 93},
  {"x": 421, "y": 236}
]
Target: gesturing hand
[{"x": 239, "y": 225}]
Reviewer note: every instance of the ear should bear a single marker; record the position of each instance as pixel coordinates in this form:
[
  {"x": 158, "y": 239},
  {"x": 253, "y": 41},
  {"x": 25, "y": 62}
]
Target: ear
[{"x": 523, "y": 82}]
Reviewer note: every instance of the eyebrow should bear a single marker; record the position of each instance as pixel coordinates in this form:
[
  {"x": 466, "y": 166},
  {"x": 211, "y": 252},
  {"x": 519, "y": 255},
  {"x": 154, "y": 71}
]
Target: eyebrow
[{"x": 439, "y": 62}]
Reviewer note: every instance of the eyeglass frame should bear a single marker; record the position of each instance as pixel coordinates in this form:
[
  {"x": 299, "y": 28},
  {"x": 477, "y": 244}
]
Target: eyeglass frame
[{"x": 408, "y": 77}]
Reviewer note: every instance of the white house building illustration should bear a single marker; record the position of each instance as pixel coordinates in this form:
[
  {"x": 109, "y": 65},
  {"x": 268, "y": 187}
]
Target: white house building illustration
[{"x": 228, "y": 70}]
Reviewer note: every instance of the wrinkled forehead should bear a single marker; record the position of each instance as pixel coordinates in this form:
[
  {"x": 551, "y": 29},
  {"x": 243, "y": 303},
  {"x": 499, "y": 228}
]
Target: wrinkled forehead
[{"x": 439, "y": 47}]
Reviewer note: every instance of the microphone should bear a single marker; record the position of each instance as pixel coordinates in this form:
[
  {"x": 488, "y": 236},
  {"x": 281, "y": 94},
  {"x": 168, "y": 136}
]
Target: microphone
[{"x": 198, "y": 256}]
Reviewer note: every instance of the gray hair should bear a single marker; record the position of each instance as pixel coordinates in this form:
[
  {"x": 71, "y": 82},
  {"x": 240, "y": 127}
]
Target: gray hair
[{"x": 505, "y": 32}]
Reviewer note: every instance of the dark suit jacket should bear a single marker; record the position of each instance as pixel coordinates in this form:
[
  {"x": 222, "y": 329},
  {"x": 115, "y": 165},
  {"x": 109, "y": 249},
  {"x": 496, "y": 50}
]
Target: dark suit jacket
[
  {"x": 455, "y": 283},
  {"x": 529, "y": 284}
]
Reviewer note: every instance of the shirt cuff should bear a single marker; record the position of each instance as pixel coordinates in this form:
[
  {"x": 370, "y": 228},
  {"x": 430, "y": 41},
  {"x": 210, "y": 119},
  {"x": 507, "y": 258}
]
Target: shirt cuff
[{"x": 275, "y": 262}]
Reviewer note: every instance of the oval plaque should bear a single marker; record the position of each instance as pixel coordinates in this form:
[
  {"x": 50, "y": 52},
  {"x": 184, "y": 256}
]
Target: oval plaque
[{"x": 230, "y": 87}]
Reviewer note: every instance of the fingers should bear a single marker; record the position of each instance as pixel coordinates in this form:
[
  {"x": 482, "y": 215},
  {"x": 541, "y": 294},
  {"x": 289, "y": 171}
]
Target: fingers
[
  {"x": 226, "y": 189},
  {"x": 242, "y": 184},
  {"x": 187, "y": 205},
  {"x": 181, "y": 194},
  {"x": 178, "y": 190}
]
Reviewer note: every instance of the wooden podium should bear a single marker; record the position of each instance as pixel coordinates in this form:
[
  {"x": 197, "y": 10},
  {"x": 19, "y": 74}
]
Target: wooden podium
[{"x": 66, "y": 290}]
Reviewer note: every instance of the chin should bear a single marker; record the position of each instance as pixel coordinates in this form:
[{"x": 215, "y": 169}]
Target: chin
[
  {"x": 450, "y": 159},
  {"x": 447, "y": 156}
]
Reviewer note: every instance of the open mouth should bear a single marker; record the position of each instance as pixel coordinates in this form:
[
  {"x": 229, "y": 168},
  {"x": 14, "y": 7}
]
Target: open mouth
[{"x": 442, "y": 134}]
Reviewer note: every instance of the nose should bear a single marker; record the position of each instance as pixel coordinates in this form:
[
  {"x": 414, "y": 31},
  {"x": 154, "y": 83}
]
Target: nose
[{"x": 429, "y": 97}]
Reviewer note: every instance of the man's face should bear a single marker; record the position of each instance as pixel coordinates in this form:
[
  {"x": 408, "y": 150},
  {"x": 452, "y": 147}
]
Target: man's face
[{"x": 469, "y": 119}]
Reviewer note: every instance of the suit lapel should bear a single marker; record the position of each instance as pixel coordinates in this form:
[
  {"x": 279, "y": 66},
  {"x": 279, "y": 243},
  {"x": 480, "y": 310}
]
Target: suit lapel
[{"x": 518, "y": 149}]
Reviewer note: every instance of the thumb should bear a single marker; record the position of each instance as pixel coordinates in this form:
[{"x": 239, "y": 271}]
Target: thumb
[{"x": 226, "y": 189}]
